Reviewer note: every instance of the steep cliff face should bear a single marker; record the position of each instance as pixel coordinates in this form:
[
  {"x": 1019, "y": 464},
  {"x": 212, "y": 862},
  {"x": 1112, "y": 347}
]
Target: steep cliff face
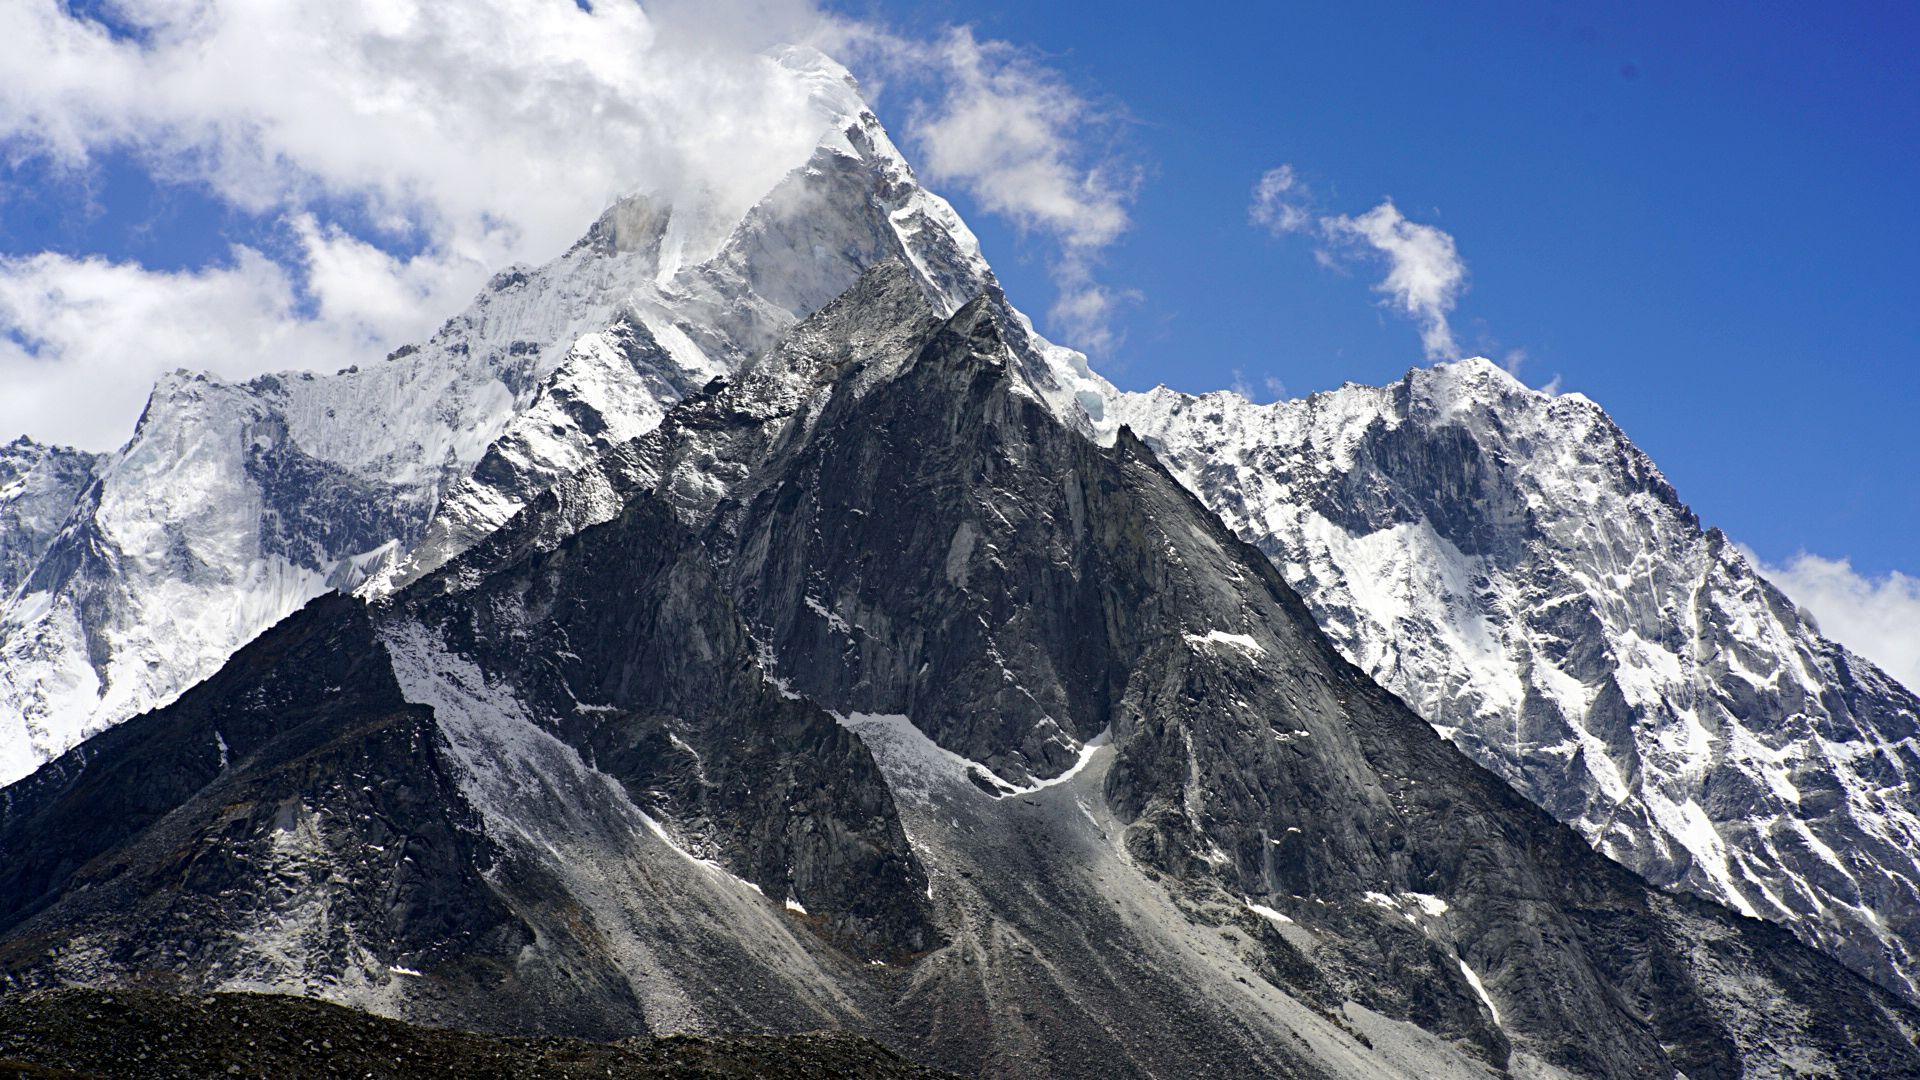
[
  {"x": 38, "y": 486},
  {"x": 865, "y": 692},
  {"x": 1520, "y": 574}
]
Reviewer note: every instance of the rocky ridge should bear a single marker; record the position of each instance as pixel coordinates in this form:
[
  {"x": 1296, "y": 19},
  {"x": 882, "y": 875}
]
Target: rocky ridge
[{"x": 1511, "y": 565}]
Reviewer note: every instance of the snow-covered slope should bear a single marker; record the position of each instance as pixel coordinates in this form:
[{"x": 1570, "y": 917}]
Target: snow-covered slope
[
  {"x": 1513, "y": 567},
  {"x": 233, "y": 504}
]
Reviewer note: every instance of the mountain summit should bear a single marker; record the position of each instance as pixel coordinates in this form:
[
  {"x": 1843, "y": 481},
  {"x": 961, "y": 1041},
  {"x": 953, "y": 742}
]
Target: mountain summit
[{"x": 234, "y": 504}]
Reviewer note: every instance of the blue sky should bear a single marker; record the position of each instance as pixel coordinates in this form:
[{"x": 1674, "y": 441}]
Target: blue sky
[{"x": 1701, "y": 215}]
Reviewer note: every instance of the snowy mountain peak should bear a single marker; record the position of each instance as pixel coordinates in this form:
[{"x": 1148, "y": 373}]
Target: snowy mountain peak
[
  {"x": 234, "y": 503},
  {"x": 1510, "y": 564}
]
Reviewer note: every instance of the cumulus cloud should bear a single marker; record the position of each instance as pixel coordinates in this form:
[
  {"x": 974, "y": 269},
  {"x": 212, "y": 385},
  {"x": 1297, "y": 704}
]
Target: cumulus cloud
[
  {"x": 468, "y": 137},
  {"x": 1877, "y": 618},
  {"x": 1425, "y": 274},
  {"x": 86, "y": 337},
  {"x": 497, "y": 125},
  {"x": 991, "y": 121}
]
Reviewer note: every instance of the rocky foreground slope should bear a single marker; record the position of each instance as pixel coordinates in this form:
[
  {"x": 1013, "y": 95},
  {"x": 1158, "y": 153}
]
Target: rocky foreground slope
[
  {"x": 866, "y": 694},
  {"x": 92, "y": 1033}
]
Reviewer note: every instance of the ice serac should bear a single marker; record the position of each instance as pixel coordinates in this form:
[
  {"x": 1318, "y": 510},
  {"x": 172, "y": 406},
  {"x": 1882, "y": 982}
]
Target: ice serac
[
  {"x": 235, "y": 503},
  {"x": 865, "y": 692},
  {"x": 1511, "y": 565}
]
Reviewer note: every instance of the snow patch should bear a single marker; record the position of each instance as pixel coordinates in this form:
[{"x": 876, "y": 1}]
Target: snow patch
[
  {"x": 1473, "y": 980},
  {"x": 1243, "y": 642},
  {"x": 1267, "y": 913}
]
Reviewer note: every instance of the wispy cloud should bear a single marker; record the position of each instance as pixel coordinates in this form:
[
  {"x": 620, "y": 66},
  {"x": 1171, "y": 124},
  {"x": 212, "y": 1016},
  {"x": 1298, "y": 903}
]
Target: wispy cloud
[
  {"x": 1879, "y": 618},
  {"x": 1425, "y": 274},
  {"x": 1279, "y": 201}
]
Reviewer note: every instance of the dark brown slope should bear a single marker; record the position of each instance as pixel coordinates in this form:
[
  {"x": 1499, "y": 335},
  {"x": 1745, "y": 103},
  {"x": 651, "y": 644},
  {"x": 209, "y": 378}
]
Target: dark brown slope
[{"x": 94, "y": 1033}]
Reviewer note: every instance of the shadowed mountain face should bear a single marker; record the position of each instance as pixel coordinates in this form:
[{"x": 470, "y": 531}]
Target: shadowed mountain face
[
  {"x": 38, "y": 486},
  {"x": 865, "y": 693}
]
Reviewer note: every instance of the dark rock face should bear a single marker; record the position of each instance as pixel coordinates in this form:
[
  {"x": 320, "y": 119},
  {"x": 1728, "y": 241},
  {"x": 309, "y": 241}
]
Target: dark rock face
[
  {"x": 297, "y": 823},
  {"x": 623, "y": 641},
  {"x": 316, "y": 512},
  {"x": 879, "y": 530},
  {"x": 294, "y": 808},
  {"x": 866, "y": 693}
]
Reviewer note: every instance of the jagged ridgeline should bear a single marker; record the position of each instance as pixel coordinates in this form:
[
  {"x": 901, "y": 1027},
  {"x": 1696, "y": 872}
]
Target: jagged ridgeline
[{"x": 865, "y": 693}]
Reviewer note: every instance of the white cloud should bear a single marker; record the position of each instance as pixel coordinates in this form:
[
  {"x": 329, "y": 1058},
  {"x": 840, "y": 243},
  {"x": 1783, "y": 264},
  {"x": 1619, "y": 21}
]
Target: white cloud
[
  {"x": 1004, "y": 128},
  {"x": 470, "y": 135},
  {"x": 1014, "y": 135},
  {"x": 1425, "y": 274},
  {"x": 498, "y": 126},
  {"x": 1877, "y": 618},
  {"x": 473, "y": 135},
  {"x": 87, "y": 337}
]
